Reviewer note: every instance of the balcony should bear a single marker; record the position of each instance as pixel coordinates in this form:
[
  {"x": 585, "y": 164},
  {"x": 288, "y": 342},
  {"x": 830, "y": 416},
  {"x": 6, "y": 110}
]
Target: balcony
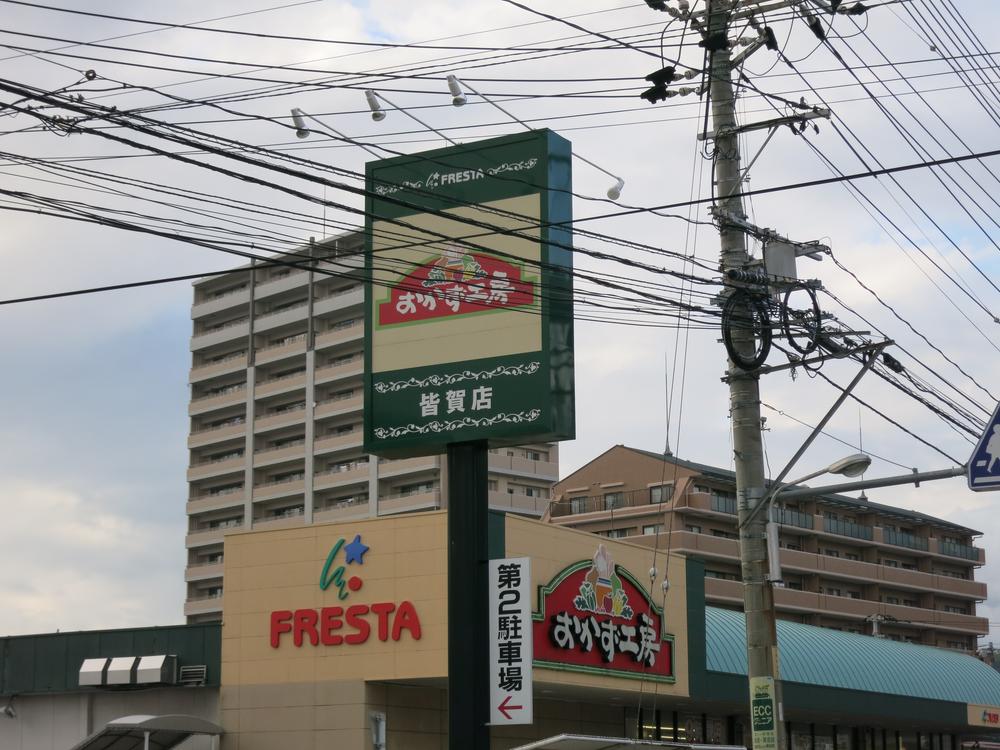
[
  {"x": 203, "y": 571},
  {"x": 701, "y": 545},
  {"x": 217, "y": 468},
  {"x": 401, "y": 503},
  {"x": 226, "y": 332},
  {"x": 343, "y": 510},
  {"x": 787, "y": 517},
  {"x": 848, "y": 528},
  {"x": 225, "y": 301},
  {"x": 339, "y": 301},
  {"x": 339, "y": 405},
  {"x": 902, "y": 539},
  {"x": 632, "y": 502},
  {"x": 278, "y": 318},
  {"x": 280, "y": 385},
  {"x": 394, "y": 468},
  {"x": 525, "y": 467},
  {"x": 863, "y": 572},
  {"x": 279, "y": 419},
  {"x": 229, "y": 396},
  {"x": 283, "y": 521},
  {"x": 217, "y": 434},
  {"x": 203, "y": 605},
  {"x": 341, "y": 335},
  {"x": 289, "y": 347},
  {"x": 341, "y": 441},
  {"x": 279, "y": 488},
  {"x": 722, "y": 504},
  {"x": 518, "y": 503},
  {"x": 718, "y": 590},
  {"x": 353, "y": 367},
  {"x": 285, "y": 452},
  {"x": 208, "y": 370},
  {"x": 207, "y": 503},
  {"x": 348, "y": 474},
  {"x": 963, "y": 551},
  {"x": 269, "y": 288},
  {"x": 206, "y": 536}
]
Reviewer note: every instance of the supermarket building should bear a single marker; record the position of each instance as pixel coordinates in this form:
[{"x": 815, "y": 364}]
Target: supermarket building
[{"x": 331, "y": 626}]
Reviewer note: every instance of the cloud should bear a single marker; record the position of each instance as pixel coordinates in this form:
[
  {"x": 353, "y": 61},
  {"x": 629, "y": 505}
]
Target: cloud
[{"x": 70, "y": 565}]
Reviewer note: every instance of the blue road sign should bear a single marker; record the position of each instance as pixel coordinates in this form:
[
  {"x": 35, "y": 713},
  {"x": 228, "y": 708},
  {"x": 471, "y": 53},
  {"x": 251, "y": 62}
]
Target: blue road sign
[{"x": 983, "y": 469}]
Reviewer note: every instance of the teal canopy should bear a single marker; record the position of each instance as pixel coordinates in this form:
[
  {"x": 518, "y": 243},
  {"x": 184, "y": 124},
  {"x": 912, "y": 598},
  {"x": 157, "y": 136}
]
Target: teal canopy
[{"x": 831, "y": 658}]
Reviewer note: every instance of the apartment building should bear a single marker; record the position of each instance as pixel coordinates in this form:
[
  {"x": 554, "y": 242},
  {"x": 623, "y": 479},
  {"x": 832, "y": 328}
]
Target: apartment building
[
  {"x": 276, "y": 415},
  {"x": 848, "y": 564}
]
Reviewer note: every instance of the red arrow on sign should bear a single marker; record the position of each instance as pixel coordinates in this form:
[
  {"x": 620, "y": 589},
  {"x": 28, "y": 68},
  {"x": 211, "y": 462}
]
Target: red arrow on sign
[{"x": 505, "y": 706}]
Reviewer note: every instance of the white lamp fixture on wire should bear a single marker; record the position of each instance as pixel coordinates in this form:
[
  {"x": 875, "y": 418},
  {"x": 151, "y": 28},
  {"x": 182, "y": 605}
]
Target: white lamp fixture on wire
[
  {"x": 378, "y": 114},
  {"x": 299, "y": 121},
  {"x": 455, "y": 87},
  {"x": 459, "y": 98},
  {"x": 302, "y": 131}
]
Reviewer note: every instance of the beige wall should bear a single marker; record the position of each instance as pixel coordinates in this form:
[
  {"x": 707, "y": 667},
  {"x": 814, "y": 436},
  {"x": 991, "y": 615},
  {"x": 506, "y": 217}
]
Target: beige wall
[
  {"x": 280, "y": 570},
  {"x": 553, "y": 549},
  {"x": 321, "y": 696}
]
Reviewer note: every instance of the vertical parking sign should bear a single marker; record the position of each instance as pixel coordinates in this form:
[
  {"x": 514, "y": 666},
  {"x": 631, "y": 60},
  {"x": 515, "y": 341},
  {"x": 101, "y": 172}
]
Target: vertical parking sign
[{"x": 511, "y": 645}]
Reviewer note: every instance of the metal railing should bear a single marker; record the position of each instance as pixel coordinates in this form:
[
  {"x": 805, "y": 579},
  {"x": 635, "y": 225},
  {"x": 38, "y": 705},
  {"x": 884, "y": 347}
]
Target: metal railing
[
  {"x": 955, "y": 549},
  {"x": 723, "y": 504},
  {"x": 569, "y": 506},
  {"x": 903, "y": 539},
  {"x": 789, "y": 517},
  {"x": 848, "y": 528}
]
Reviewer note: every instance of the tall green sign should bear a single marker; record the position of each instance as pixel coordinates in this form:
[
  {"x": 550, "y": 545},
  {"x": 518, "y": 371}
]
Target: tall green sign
[{"x": 468, "y": 300}]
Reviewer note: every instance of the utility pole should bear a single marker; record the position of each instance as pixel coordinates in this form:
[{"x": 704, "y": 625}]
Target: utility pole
[{"x": 744, "y": 400}]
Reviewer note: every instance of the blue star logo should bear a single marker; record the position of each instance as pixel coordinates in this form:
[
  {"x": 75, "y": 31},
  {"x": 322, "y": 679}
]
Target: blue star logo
[{"x": 355, "y": 551}]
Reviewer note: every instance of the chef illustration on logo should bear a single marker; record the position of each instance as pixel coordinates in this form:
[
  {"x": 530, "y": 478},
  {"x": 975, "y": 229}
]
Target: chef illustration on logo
[
  {"x": 458, "y": 280},
  {"x": 601, "y": 591}
]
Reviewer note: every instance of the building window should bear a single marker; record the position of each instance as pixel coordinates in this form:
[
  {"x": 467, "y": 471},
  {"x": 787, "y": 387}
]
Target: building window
[
  {"x": 831, "y": 552},
  {"x": 578, "y": 505},
  {"x": 692, "y": 528},
  {"x": 890, "y": 599},
  {"x": 793, "y": 546},
  {"x": 854, "y": 594},
  {"x": 889, "y": 563},
  {"x": 655, "y": 528},
  {"x": 793, "y": 585},
  {"x": 723, "y": 534},
  {"x": 851, "y": 556},
  {"x": 613, "y": 500},
  {"x": 833, "y": 592},
  {"x": 955, "y": 610},
  {"x": 616, "y": 533},
  {"x": 660, "y": 493},
  {"x": 911, "y": 603},
  {"x": 493, "y": 485}
]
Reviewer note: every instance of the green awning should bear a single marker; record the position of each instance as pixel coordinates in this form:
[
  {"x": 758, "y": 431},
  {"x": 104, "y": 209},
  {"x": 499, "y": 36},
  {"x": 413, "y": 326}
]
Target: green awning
[{"x": 831, "y": 658}]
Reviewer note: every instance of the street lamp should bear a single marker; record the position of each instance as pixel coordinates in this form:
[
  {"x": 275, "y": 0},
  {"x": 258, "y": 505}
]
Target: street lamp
[{"x": 850, "y": 466}]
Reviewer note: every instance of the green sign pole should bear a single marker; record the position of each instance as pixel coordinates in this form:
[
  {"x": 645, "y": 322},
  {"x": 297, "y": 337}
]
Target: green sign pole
[{"x": 468, "y": 597}]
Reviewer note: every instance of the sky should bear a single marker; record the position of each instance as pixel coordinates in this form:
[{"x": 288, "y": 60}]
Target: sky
[{"x": 93, "y": 413}]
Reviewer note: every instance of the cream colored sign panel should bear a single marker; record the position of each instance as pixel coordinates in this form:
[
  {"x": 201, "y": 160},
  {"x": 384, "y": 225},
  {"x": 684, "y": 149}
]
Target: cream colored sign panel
[
  {"x": 397, "y": 250},
  {"x": 984, "y": 716},
  {"x": 364, "y": 600}
]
